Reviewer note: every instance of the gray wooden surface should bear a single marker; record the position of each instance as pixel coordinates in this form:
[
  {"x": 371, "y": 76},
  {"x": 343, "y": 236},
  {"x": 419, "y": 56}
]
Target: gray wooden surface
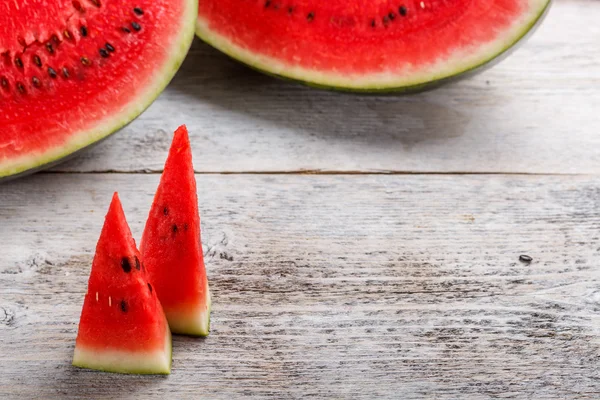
[{"x": 344, "y": 283}]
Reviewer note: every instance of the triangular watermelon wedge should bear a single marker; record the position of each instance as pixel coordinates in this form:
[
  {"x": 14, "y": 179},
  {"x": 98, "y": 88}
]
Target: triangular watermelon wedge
[
  {"x": 171, "y": 244},
  {"x": 122, "y": 327}
]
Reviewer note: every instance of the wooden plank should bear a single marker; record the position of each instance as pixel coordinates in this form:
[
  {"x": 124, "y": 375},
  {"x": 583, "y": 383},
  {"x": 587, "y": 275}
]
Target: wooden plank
[
  {"x": 536, "y": 112},
  {"x": 362, "y": 287}
]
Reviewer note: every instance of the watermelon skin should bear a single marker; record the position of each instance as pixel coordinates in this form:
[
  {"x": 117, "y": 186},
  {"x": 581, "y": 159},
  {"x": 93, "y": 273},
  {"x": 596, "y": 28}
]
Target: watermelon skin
[
  {"x": 172, "y": 247},
  {"x": 122, "y": 327},
  {"x": 352, "y": 57},
  {"x": 60, "y": 116}
]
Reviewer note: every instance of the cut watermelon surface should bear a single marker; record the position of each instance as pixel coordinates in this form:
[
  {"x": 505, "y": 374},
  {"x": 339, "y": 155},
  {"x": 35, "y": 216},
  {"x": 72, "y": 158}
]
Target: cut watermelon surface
[
  {"x": 122, "y": 327},
  {"x": 367, "y": 45},
  {"x": 171, "y": 244},
  {"x": 72, "y": 72}
]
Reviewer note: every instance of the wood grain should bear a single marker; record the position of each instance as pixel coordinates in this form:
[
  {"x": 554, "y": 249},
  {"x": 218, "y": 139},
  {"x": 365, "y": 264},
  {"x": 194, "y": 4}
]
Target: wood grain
[
  {"x": 536, "y": 112},
  {"x": 362, "y": 287}
]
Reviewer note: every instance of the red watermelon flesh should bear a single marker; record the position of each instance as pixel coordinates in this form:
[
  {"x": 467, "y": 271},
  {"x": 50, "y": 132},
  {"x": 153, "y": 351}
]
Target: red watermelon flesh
[
  {"x": 367, "y": 45},
  {"x": 72, "y": 72},
  {"x": 122, "y": 327},
  {"x": 171, "y": 244}
]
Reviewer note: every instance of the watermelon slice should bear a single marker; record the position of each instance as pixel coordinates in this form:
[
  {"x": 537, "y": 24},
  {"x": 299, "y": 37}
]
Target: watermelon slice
[
  {"x": 171, "y": 244},
  {"x": 364, "y": 45},
  {"x": 73, "y": 72},
  {"x": 122, "y": 327}
]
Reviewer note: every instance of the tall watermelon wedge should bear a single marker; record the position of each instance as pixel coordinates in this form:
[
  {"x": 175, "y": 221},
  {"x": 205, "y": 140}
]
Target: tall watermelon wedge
[
  {"x": 171, "y": 244},
  {"x": 122, "y": 326},
  {"x": 383, "y": 45},
  {"x": 73, "y": 72}
]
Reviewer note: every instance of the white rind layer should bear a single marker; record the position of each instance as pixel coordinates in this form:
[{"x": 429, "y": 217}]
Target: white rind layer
[
  {"x": 457, "y": 63},
  {"x": 126, "y": 362},
  {"x": 195, "y": 322}
]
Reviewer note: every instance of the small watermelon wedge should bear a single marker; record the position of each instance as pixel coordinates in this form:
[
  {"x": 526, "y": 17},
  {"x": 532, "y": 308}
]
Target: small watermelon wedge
[
  {"x": 122, "y": 327},
  {"x": 171, "y": 244}
]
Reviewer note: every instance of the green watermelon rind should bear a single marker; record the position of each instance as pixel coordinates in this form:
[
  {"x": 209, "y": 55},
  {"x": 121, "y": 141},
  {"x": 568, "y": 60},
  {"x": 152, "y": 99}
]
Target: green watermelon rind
[
  {"x": 235, "y": 52},
  {"x": 80, "y": 360},
  {"x": 79, "y": 141}
]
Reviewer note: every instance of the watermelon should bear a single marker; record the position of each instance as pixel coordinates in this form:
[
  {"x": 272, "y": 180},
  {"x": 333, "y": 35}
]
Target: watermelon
[
  {"x": 73, "y": 72},
  {"x": 171, "y": 244},
  {"x": 122, "y": 327},
  {"x": 382, "y": 45}
]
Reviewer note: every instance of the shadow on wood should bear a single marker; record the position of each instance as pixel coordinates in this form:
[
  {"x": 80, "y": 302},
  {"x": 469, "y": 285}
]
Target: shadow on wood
[
  {"x": 371, "y": 120},
  {"x": 89, "y": 382}
]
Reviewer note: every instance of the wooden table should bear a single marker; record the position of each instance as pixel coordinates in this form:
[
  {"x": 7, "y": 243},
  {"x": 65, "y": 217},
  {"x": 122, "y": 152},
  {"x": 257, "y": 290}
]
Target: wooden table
[{"x": 357, "y": 247}]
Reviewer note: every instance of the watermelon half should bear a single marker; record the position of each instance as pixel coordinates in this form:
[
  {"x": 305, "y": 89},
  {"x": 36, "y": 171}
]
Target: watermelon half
[
  {"x": 74, "y": 71},
  {"x": 378, "y": 45},
  {"x": 122, "y": 327},
  {"x": 171, "y": 244}
]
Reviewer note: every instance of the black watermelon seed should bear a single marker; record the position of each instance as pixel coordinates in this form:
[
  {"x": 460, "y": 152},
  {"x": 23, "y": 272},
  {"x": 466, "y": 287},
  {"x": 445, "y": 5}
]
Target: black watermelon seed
[
  {"x": 4, "y": 82},
  {"x": 525, "y": 258},
  {"x": 124, "y": 306},
  {"x": 37, "y": 61},
  {"x": 85, "y": 61},
  {"x": 290, "y": 10},
  {"x": 125, "y": 29},
  {"x": 373, "y": 23},
  {"x": 149, "y": 287},
  {"x": 36, "y": 82},
  {"x": 403, "y": 11},
  {"x": 109, "y": 47},
  {"x": 20, "y": 87},
  {"x": 65, "y": 72},
  {"x": 125, "y": 264},
  {"x": 310, "y": 16},
  {"x": 138, "y": 11},
  {"x": 392, "y": 15},
  {"x": 103, "y": 53},
  {"x": 49, "y": 48},
  {"x": 137, "y": 263},
  {"x": 166, "y": 211},
  {"x": 136, "y": 27},
  {"x": 52, "y": 73},
  {"x": 84, "y": 31},
  {"x": 267, "y": 3},
  {"x": 18, "y": 62},
  {"x": 96, "y": 3},
  {"x": 174, "y": 228}
]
